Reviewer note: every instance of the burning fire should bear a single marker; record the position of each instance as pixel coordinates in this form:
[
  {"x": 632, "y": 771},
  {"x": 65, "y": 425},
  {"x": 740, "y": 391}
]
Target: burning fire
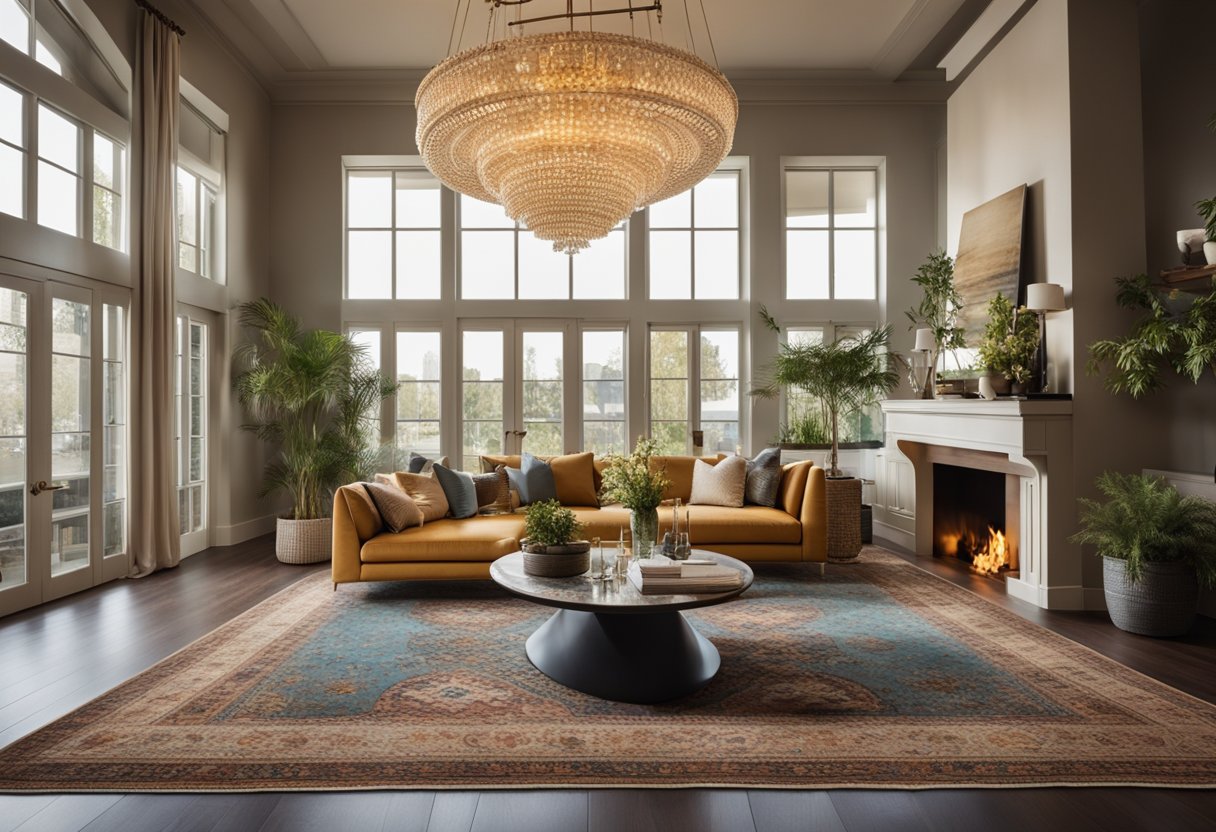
[{"x": 992, "y": 555}]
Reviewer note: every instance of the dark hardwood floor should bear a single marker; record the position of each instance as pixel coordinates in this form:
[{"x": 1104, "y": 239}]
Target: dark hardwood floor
[{"x": 61, "y": 655}]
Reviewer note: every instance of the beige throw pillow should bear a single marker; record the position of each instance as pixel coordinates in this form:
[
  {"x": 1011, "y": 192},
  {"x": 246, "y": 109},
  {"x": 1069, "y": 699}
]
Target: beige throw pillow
[
  {"x": 719, "y": 485},
  {"x": 426, "y": 492},
  {"x": 397, "y": 509}
]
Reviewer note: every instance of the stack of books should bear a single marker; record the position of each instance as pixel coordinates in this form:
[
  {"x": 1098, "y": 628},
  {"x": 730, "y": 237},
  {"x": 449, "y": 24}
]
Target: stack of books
[{"x": 664, "y": 576}]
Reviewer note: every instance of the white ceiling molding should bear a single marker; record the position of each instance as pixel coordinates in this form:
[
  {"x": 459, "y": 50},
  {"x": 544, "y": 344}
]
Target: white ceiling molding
[{"x": 922, "y": 22}]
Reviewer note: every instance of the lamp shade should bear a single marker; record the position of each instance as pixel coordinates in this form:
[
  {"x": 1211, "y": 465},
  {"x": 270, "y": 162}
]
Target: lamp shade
[
  {"x": 924, "y": 340},
  {"x": 1045, "y": 297}
]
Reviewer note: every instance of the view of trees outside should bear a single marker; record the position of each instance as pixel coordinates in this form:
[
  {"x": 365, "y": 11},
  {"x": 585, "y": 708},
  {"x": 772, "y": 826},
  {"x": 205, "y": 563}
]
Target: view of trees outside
[
  {"x": 604, "y": 392},
  {"x": 418, "y": 396},
  {"x": 481, "y": 396},
  {"x": 109, "y": 161},
  {"x": 806, "y": 421},
  {"x": 114, "y": 419},
  {"x": 542, "y": 393},
  {"x": 70, "y": 434},
  {"x": 14, "y": 313},
  {"x": 191, "y": 374},
  {"x": 196, "y": 208},
  {"x": 670, "y": 411}
]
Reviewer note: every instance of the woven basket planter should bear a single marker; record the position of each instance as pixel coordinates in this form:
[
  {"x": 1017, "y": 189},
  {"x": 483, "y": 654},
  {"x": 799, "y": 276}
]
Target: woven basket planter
[
  {"x": 844, "y": 519},
  {"x": 1162, "y": 603},
  {"x": 304, "y": 541},
  {"x": 557, "y": 561}
]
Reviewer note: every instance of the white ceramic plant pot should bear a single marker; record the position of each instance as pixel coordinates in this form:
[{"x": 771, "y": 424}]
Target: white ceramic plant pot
[
  {"x": 1190, "y": 240},
  {"x": 1209, "y": 253}
]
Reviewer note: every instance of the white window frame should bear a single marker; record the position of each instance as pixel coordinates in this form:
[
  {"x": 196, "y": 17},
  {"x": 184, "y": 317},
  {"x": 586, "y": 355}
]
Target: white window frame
[
  {"x": 739, "y": 172},
  {"x": 694, "y": 374},
  {"x": 194, "y": 540},
  {"x": 602, "y": 326}
]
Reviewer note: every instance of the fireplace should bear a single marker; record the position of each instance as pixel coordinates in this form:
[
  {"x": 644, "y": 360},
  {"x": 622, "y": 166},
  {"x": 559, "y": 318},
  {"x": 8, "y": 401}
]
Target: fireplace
[{"x": 969, "y": 518}]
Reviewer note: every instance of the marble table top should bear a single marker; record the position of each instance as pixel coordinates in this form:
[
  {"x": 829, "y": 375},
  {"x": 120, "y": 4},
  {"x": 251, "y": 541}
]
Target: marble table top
[{"x": 617, "y": 595}]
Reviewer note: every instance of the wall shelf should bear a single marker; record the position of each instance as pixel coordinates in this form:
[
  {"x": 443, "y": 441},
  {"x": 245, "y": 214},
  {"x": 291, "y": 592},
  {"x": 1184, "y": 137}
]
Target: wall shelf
[{"x": 1196, "y": 279}]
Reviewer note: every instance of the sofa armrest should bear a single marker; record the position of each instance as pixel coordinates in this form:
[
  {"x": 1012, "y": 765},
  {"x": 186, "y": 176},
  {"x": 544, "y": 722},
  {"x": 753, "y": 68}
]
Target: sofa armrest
[
  {"x": 814, "y": 517},
  {"x": 351, "y": 506}
]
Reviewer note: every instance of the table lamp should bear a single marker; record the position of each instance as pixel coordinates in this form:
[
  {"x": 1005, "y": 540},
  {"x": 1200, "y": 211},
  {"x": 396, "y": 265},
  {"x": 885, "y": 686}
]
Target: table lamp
[{"x": 1043, "y": 298}]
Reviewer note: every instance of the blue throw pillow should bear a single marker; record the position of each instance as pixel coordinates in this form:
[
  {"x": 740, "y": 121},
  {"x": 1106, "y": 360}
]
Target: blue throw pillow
[
  {"x": 533, "y": 480},
  {"x": 459, "y": 489}
]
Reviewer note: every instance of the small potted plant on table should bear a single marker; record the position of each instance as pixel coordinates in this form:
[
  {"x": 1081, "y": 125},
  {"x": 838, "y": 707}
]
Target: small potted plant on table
[
  {"x": 550, "y": 547},
  {"x": 1157, "y": 547}
]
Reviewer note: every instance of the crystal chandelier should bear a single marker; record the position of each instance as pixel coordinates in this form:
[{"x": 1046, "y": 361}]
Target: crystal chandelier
[{"x": 573, "y": 131}]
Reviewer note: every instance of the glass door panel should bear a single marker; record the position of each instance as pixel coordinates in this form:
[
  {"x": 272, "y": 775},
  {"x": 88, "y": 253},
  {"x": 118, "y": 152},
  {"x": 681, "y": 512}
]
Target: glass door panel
[
  {"x": 71, "y": 420},
  {"x": 482, "y": 394},
  {"x": 14, "y": 400},
  {"x": 191, "y": 420},
  {"x": 541, "y": 392}
]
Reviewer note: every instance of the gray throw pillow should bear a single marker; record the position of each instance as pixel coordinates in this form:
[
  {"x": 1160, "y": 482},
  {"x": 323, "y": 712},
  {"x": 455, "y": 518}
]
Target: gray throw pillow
[
  {"x": 763, "y": 478},
  {"x": 419, "y": 464},
  {"x": 533, "y": 480},
  {"x": 459, "y": 489}
]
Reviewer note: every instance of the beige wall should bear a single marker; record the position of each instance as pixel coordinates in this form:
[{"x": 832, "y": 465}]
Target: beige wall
[
  {"x": 235, "y": 458},
  {"x": 309, "y": 141},
  {"x": 1056, "y": 104}
]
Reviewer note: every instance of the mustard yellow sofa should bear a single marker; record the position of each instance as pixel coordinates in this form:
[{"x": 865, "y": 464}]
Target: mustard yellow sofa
[{"x": 795, "y": 530}]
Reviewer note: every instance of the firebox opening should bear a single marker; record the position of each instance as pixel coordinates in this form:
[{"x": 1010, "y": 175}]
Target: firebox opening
[{"x": 969, "y": 517}]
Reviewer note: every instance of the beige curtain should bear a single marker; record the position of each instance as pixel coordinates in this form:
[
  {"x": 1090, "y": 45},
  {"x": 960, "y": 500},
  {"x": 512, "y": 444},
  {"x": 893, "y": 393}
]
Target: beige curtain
[{"x": 155, "y": 540}]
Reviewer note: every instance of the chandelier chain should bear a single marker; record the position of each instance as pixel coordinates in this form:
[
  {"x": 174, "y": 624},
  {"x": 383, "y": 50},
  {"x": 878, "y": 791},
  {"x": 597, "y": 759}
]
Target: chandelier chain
[
  {"x": 692, "y": 41},
  {"x": 709, "y": 33}
]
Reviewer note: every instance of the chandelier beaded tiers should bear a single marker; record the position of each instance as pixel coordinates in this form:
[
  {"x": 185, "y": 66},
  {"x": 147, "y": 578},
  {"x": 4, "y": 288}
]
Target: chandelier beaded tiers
[{"x": 573, "y": 131}]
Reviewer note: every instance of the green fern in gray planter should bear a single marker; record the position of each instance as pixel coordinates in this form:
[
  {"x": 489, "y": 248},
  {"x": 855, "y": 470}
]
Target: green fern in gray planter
[{"x": 1157, "y": 548}]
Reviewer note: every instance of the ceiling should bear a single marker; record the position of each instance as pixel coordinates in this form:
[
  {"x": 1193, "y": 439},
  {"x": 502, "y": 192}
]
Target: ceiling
[{"x": 866, "y": 40}]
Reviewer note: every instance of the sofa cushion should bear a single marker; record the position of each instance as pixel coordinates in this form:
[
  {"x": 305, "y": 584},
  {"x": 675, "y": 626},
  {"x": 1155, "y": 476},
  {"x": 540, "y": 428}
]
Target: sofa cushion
[
  {"x": 480, "y": 538},
  {"x": 750, "y": 524},
  {"x": 363, "y": 513},
  {"x": 533, "y": 480},
  {"x": 574, "y": 479},
  {"x": 493, "y": 488},
  {"x": 605, "y": 523},
  {"x": 679, "y": 473},
  {"x": 427, "y": 493},
  {"x": 763, "y": 478},
  {"x": 491, "y": 461},
  {"x": 397, "y": 509},
  {"x": 459, "y": 491},
  {"x": 719, "y": 485},
  {"x": 793, "y": 487}
]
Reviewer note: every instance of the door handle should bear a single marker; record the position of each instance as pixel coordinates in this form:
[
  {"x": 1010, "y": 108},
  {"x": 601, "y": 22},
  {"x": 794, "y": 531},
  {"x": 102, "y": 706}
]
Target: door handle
[{"x": 40, "y": 486}]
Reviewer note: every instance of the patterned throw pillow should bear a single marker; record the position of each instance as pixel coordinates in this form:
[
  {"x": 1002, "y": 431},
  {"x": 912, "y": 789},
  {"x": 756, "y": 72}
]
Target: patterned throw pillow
[
  {"x": 426, "y": 492},
  {"x": 459, "y": 490},
  {"x": 419, "y": 464},
  {"x": 492, "y": 488},
  {"x": 763, "y": 478},
  {"x": 719, "y": 485},
  {"x": 397, "y": 509}
]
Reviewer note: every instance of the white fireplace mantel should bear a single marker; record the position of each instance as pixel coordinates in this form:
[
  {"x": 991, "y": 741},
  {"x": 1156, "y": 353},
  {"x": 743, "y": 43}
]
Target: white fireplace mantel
[{"x": 1036, "y": 437}]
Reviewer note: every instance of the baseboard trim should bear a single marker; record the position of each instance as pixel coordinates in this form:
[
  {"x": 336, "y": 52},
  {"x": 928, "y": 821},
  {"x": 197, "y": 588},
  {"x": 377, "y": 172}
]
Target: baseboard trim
[
  {"x": 894, "y": 534},
  {"x": 1055, "y": 597},
  {"x": 240, "y": 532}
]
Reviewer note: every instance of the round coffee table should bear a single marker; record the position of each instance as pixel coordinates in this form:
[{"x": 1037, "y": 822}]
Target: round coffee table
[{"x": 611, "y": 641}]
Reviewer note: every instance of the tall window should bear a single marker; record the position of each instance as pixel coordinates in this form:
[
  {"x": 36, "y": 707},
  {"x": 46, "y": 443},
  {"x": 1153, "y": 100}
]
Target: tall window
[
  {"x": 393, "y": 243},
  {"x": 12, "y": 151},
  {"x": 543, "y": 370},
  {"x": 604, "y": 391},
  {"x": 71, "y": 433},
  {"x": 500, "y": 260},
  {"x": 109, "y": 183},
  {"x": 369, "y": 340},
  {"x": 694, "y": 389},
  {"x": 694, "y": 242},
  {"x": 191, "y": 383},
  {"x": 805, "y": 420},
  {"x": 831, "y": 234},
  {"x": 200, "y": 194},
  {"x": 419, "y": 398},
  {"x": 58, "y": 171}
]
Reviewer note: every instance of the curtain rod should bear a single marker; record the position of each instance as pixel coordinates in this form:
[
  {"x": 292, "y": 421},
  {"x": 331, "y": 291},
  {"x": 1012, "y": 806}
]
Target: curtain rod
[{"x": 161, "y": 16}]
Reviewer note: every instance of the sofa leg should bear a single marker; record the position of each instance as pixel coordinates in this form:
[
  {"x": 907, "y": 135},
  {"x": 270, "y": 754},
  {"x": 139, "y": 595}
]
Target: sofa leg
[
  {"x": 335, "y": 587},
  {"x": 823, "y": 569}
]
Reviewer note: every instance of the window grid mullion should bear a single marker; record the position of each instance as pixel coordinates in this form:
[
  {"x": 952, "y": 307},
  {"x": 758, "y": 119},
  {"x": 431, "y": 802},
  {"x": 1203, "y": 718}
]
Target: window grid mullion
[
  {"x": 694, "y": 382},
  {"x": 831, "y": 235}
]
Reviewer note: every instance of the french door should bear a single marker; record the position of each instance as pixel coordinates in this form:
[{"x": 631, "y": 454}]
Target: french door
[
  {"x": 517, "y": 380},
  {"x": 63, "y": 439}
]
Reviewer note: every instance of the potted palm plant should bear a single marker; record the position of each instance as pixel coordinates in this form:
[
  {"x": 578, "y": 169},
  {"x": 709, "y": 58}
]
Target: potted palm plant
[
  {"x": 1157, "y": 547},
  {"x": 314, "y": 396}
]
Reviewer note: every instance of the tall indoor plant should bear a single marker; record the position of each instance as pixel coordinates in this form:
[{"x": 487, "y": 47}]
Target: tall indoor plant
[
  {"x": 313, "y": 395},
  {"x": 1157, "y": 547},
  {"x": 844, "y": 376},
  {"x": 638, "y": 485},
  {"x": 939, "y": 309}
]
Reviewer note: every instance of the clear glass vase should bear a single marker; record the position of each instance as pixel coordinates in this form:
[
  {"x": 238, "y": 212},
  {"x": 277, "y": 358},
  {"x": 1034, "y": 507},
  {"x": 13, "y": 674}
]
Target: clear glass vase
[{"x": 644, "y": 526}]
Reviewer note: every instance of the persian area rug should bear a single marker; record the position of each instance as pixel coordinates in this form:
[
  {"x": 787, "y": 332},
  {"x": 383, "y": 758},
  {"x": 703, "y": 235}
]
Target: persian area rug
[{"x": 879, "y": 675}]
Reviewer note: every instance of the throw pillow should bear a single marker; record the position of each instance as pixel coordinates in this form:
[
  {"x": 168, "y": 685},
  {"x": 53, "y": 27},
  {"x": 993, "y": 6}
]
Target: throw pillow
[
  {"x": 492, "y": 488},
  {"x": 533, "y": 480},
  {"x": 397, "y": 509},
  {"x": 386, "y": 479},
  {"x": 719, "y": 485},
  {"x": 574, "y": 479},
  {"x": 426, "y": 492},
  {"x": 763, "y": 478},
  {"x": 459, "y": 490},
  {"x": 419, "y": 464}
]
